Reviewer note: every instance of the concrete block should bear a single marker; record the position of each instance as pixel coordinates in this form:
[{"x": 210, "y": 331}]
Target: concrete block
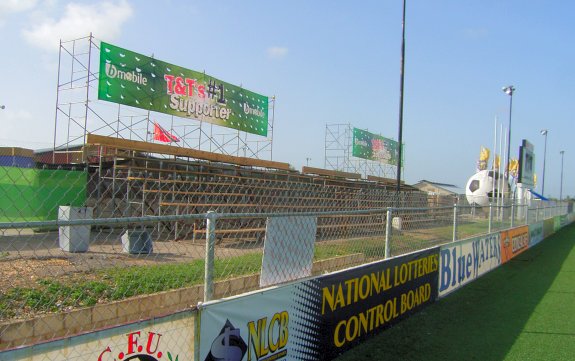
[
  {"x": 74, "y": 238},
  {"x": 190, "y": 296},
  {"x": 49, "y": 325},
  {"x": 137, "y": 242},
  {"x": 16, "y": 331},
  {"x": 78, "y": 321},
  {"x": 104, "y": 313}
]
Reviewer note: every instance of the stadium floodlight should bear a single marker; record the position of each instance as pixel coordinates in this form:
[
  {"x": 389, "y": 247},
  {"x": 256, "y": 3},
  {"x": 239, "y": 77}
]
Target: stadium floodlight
[
  {"x": 544, "y": 133},
  {"x": 509, "y": 90}
]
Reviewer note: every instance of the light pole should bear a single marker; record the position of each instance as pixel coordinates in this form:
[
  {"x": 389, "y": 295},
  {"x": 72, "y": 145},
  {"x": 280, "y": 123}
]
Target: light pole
[
  {"x": 544, "y": 133},
  {"x": 401, "y": 83},
  {"x": 509, "y": 90},
  {"x": 561, "y": 186}
]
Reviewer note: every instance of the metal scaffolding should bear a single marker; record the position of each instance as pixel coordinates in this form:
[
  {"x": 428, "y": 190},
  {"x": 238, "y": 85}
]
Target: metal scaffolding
[
  {"x": 79, "y": 112},
  {"x": 338, "y": 154}
]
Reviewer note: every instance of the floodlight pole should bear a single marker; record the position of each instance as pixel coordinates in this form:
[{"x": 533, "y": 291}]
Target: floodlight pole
[
  {"x": 509, "y": 90},
  {"x": 401, "y": 83}
]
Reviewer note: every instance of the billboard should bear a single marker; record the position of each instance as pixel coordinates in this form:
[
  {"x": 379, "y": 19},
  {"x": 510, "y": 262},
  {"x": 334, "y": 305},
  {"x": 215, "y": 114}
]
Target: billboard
[
  {"x": 162, "y": 338},
  {"x": 140, "y": 81},
  {"x": 466, "y": 260},
  {"x": 513, "y": 242},
  {"x": 371, "y": 146},
  {"x": 319, "y": 318},
  {"x": 526, "y": 163},
  {"x": 536, "y": 233}
]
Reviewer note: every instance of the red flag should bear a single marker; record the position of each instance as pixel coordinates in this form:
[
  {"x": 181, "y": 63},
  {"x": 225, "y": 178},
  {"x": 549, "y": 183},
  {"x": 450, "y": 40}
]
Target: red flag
[{"x": 163, "y": 135}]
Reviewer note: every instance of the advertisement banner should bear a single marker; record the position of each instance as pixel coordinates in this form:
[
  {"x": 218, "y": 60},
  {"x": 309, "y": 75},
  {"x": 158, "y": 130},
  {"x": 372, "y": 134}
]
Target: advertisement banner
[
  {"x": 143, "y": 82},
  {"x": 556, "y": 223},
  {"x": 514, "y": 242},
  {"x": 464, "y": 261},
  {"x": 535, "y": 233},
  {"x": 548, "y": 227},
  {"x": 318, "y": 319},
  {"x": 288, "y": 249},
  {"x": 371, "y": 146},
  {"x": 164, "y": 338}
]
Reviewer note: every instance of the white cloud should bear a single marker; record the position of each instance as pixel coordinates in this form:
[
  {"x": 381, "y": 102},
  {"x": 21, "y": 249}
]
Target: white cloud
[
  {"x": 277, "y": 52},
  {"x": 104, "y": 20},
  {"x": 16, "y": 6}
]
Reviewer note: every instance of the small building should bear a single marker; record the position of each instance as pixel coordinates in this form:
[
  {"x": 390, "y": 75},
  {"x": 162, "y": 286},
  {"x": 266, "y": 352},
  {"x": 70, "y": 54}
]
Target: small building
[
  {"x": 440, "y": 193},
  {"x": 16, "y": 157}
]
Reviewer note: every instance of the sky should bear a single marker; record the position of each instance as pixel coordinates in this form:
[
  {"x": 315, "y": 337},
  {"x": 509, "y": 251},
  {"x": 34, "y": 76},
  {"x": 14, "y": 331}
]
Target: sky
[{"x": 331, "y": 62}]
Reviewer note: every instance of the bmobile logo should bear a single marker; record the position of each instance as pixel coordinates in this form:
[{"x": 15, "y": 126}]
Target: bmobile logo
[
  {"x": 135, "y": 77},
  {"x": 228, "y": 345}
]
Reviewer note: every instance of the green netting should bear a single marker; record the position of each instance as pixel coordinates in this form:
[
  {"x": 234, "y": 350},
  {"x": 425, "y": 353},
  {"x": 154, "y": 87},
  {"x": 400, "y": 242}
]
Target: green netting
[{"x": 35, "y": 194}]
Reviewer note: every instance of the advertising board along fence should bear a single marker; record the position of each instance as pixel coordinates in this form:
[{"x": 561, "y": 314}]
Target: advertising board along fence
[{"x": 319, "y": 318}]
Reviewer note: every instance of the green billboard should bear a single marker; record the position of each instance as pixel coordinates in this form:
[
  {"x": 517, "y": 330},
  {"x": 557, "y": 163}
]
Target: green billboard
[
  {"x": 374, "y": 147},
  {"x": 140, "y": 81}
]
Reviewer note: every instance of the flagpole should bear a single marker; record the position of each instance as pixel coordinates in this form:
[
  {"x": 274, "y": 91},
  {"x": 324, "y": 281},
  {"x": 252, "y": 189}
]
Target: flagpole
[
  {"x": 499, "y": 171},
  {"x": 172, "y": 129},
  {"x": 504, "y": 180},
  {"x": 495, "y": 151}
]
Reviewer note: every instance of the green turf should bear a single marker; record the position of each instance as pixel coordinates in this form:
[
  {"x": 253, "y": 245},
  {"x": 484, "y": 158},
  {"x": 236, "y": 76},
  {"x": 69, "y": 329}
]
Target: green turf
[{"x": 524, "y": 310}]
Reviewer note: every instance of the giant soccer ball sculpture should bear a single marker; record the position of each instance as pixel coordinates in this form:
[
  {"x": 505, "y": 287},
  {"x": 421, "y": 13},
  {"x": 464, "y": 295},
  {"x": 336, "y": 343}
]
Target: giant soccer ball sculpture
[{"x": 484, "y": 186}]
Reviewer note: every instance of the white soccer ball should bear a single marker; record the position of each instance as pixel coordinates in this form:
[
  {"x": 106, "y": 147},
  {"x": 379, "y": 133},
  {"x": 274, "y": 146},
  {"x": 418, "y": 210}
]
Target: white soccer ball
[{"x": 483, "y": 187}]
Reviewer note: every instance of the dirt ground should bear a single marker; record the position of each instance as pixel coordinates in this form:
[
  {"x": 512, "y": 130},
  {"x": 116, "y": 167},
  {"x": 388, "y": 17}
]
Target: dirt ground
[{"x": 26, "y": 256}]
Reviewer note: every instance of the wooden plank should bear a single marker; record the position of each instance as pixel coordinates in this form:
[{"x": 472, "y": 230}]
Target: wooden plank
[
  {"x": 330, "y": 173},
  {"x": 136, "y": 145},
  {"x": 383, "y": 180}
]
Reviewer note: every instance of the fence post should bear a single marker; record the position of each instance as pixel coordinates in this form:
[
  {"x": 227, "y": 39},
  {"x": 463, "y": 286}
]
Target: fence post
[
  {"x": 490, "y": 218},
  {"x": 388, "y": 232},
  {"x": 210, "y": 248},
  {"x": 455, "y": 222},
  {"x": 512, "y": 213}
]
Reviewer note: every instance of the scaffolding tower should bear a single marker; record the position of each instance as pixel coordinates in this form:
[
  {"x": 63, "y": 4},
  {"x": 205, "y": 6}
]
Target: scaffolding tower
[
  {"x": 338, "y": 154},
  {"x": 79, "y": 112}
]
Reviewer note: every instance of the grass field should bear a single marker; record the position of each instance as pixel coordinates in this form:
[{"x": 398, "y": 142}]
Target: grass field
[{"x": 524, "y": 310}]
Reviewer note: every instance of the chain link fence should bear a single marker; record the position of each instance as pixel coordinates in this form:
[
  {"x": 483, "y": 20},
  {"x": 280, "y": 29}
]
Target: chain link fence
[{"x": 87, "y": 247}]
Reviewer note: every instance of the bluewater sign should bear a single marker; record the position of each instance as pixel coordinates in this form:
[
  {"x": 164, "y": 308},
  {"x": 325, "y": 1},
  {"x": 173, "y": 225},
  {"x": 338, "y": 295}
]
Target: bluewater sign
[{"x": 464, "y": 261}]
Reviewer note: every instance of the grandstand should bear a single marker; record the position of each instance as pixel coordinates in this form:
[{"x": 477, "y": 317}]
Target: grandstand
[{"x": 135, "y": 178}]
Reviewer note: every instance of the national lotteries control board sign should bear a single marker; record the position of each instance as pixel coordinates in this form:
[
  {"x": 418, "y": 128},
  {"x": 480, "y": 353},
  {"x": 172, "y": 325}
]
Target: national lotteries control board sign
[
  {"x": 320, "y": 318},
  {"x": 140, "y": 81}
]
